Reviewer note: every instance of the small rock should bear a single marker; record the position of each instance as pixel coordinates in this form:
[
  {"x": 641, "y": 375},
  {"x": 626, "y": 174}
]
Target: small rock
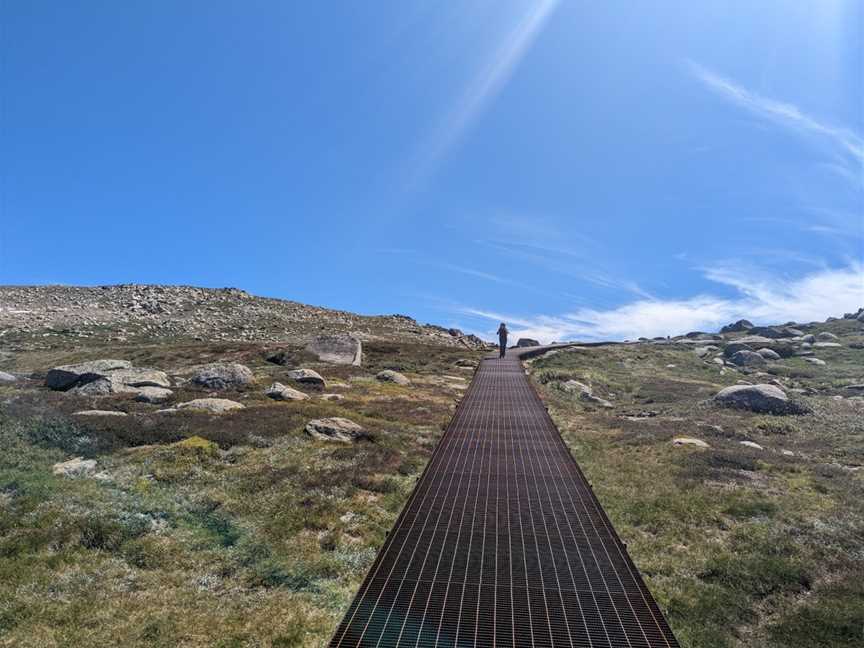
[
  {"x": 220, "y": 376},
  {"x": 335, "y": 429},
  {"x": 307, "y": 376},
  {"x": 332, "y": 397},
  {"x": 212, "y": 405},
  {"x": 690, "y": 441},
  {"x": 99, "y": 413},
  {"x": 816, "y": 361},
  {"x": 575, "y": 387},
  {"x": 705, "y": 350},
  {"x": 825, "y": 336},
  {"x": 388, "y": 375},
  {"x": 748, "y": 359},
  {"x": 751, "y": 444},
  {"x": 737, "y": 327},
  {"x": 67, "y": 376},
  {"x": 595, "y": 400},
  {"x": 153, "y": 395},
  {"x": 734, "y": 347},
  {"x": 338, "y": 349},
  {"x": 788, "y": 453},
  {"x": 763, "y": 399},
  {"x": 827, "y": 345},
  {"x": 77, "y": 467},
  {"x": 278, "y": 391},
  {"x": 809, "y": 338},
  {"x": 7, "y": 377},
  {"x": 769, "y": 354}
]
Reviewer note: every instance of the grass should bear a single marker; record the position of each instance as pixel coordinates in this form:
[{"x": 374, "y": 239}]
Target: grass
[
  {"x": 237, "y": 530},
  {"x": 240, "y": 530},
  {"x": 741, "y": 547}
]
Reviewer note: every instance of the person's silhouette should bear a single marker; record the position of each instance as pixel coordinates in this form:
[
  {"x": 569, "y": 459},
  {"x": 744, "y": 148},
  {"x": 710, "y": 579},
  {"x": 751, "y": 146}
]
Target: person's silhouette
[{"x": 502, "y": 340}]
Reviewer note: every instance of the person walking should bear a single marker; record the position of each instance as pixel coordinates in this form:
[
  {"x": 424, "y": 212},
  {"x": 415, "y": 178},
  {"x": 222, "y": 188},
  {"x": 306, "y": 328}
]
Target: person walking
[{"x": 502, "y": 339}]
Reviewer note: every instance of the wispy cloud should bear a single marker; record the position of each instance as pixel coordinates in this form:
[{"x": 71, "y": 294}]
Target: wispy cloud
[
  {"x": 781, "y": 113},
  {"x": 471, "y": 272},
  {"x": 580, "y": 263},
  {"x": 492, "y": 77},
  {"x": 761, "y": 298}
]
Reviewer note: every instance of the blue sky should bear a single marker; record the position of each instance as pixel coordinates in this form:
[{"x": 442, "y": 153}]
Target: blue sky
[{"x": 581, "y": 170}]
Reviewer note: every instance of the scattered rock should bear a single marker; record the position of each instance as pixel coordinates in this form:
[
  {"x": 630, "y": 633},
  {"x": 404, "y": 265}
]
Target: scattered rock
[
  {"x": 596, "y": 400},
  {"x": 748, "y": 359},
  {"x": 77, "y": 467},
  {"x": 775, "y": 332},
  {"x": 825, "y": 336},
  {"x": 7, "y": 377},
  {"x": 855, "y": 387},
  {"x": 335, "y": 429},
  {"x": 153, "y": 395},
  {"x": 212, "y": 405},
  {"x": 809, "y": 339},
  {"x": 751, "y": 444},
  {"x": 307, "y": 377},
  {"x": 756, "y": 341},
  {"x": 734, "y": 347},
  {"x": 763, "y": 399},
  {"x": 704, "y": 351},
  {"x": 788, "y": 453},
  {"x": 527, "y": 342},
  {"x": 99, "y": 413},
  {"x": 68, "y": 376},
  {"x": 827, "y": 345},
  {"x": 769, "y": 354},
  {"x": 121, "y": 381},
  {"x": 278, "y": 391},
  {"x": 816, "y": 361},
  {"x": 388, "y": 375},
  {"x": 575, "y": 387},
  {"x": 737, "y": 327},
  {"x": 338, "y": 349},
  {"x": 221, "y": 376},
  {"x": 689, "y": 441},
  {"x": 585, "y": 393},
  {"x": 332, "y": 397}
]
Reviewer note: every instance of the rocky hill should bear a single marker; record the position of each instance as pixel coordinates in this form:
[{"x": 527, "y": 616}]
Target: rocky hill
[
  {"x": 197, "y": 467},
  {"x": 50, "y": 315}
]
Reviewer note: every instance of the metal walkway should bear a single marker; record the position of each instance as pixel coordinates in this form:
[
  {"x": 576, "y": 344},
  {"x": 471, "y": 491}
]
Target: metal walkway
[{"x": 503, "y": 543}]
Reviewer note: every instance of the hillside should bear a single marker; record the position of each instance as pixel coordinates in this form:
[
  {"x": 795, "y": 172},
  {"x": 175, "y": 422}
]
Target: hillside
[
  {"x": 42, "y": 316},
  {"x": 220, "y": 478},
  {"x": 748, "y": 524}
]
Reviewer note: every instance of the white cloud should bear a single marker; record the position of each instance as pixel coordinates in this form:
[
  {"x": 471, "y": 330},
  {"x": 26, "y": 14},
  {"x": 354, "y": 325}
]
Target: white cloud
[
  {"x": 761, "y": 299},
  {"x": 778, "y": 112}
]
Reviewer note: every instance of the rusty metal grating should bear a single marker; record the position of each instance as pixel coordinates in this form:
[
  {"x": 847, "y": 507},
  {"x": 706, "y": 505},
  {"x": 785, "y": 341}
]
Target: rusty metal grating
[{"x": 503, "y": 543}]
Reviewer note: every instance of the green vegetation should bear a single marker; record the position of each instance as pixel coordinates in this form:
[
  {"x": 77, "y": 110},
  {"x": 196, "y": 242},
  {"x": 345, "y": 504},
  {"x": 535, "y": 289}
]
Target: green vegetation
[
  {"x": 741, "y": 547},
  {"x": 237, "y": 530}
]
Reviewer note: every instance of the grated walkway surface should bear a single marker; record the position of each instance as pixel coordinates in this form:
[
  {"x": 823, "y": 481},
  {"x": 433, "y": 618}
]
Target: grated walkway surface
[{"x": 503, "y": 543}]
